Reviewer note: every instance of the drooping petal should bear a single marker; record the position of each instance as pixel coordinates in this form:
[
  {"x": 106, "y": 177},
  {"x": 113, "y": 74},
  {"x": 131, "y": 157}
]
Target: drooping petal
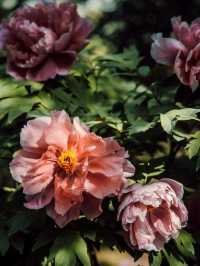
[
  {"x": 91, "y": 206},
  {"x": 165, "y": 50},
  {"x": 62, "y": 220}
]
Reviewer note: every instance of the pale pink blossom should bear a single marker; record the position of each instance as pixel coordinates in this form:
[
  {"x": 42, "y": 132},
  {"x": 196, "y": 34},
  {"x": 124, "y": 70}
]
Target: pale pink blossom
[
  {"x": 68, "y": 169},
  {"x": 181, "y": 51},
  {"x": 152, "y": 214}
]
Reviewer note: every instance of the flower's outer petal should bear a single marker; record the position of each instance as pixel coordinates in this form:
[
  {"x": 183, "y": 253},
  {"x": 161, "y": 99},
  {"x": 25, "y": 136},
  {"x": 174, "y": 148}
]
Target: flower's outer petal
[
  {"x": 80, "y": 128},
  {"x": 107, "y": 165},
  {"x": 101, "y": 186},
  {"x": 176, "y": 186},
  {"x": 38, "y": 177},
  {"x": 91, "y": 206},
  {"x": 22, "y": 164},
  {"x": 164, "y": 50},
  {"x": 62, "y": 220},
  {"x": 32, "y": 135},
  {"x": 40, "y": 200}
]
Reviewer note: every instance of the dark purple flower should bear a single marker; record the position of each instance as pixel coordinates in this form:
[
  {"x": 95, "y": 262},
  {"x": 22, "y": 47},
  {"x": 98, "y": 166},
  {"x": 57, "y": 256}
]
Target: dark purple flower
[{"x": 43, "y": 41}]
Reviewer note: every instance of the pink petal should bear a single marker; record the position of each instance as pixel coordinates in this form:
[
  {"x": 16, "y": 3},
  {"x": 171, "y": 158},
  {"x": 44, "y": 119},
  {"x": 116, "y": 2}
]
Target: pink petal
[
  {"x": 32, "y": 135},
  {"x": 91, "y": 206},
  {"x": 68, "y": 192},
  {"x": 40, "y": 200},
  {"x": 59, "y": 129},
  {"x": 101, "y": 186},
  {"x": 176, "y": 186},
  {"x": 144, "y": 235},
  {"x": 80, "y": 128},
  {"x": 22, "y": 164},
  {"x": 183, "y": 32},
  {"x": 62, "y": 220},
  {"x": 164, "y": 50},
  {"x": 108, "y": 166},
  {"x": 38, "y": 178}
]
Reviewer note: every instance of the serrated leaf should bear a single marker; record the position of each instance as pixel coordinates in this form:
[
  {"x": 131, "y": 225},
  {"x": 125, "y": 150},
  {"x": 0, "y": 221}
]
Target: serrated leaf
[
  {"x": 193, "y": 146},
  {"x": 185, "y": 244},
  {"x": 4, "y": 242},
  {"x": 16, "y": 106}
]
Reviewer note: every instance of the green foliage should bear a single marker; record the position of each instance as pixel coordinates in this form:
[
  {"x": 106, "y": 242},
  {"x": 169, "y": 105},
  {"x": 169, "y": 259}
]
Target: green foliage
[
  {"x": 68, "y": 248},
  {"x": 185, "y": 244},
  {"x": 117, "y": 92}
]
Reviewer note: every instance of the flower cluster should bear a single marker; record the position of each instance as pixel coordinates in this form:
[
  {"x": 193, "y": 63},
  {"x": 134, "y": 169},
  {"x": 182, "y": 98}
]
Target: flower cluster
[
  {"x": 43, "y": 41},
  {"x": 64, "y": 167},
  {"x": 181, "y": 51}
]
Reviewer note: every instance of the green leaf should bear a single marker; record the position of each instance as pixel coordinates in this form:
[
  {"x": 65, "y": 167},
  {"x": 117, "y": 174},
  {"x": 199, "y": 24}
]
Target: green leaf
[
  {"x": 4, "y": 242},
  {"x": 174, "y": 261},
  {"x": 20, "y": 222},
  {"x": 194, "y": 145},
  {"x": 169, "y": 120},
  {"x": 80, "y": 249},
  {"x": 11, "y": 88},
  {"x": 140, "y": 125},
  {"x": 185, "y": 244},
  {"x": 67, "y": 247},
  {"x": 157, "y": 259},
  {"x": 166, "y": 123},
  {"x": 16, "y": 106},
  {"x": 65, "y": 257}
]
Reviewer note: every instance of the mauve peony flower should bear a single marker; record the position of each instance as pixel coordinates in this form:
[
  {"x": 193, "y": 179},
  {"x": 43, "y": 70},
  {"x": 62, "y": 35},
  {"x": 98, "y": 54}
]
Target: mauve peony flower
[
  {"x": 43, "y": 41},
  {"x": 152, "y": 214},
  {"x": 181, "y": 51},
  {"x": 63, "y": 166}
]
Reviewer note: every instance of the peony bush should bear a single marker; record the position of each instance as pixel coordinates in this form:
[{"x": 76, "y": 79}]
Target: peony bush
[{"x": 100, "y": 143}]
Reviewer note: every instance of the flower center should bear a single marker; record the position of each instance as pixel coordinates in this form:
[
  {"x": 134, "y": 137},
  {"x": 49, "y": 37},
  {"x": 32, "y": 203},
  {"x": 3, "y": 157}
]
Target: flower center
[{"x": 67, "y": 160}]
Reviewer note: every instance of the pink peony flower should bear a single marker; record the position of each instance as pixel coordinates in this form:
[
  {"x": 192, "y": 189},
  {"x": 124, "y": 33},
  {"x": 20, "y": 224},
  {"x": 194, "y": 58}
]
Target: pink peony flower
[
  {"x": 68, "y": 169},
  {"x": 181, "y": 51},
  {"x": 43, "y": 41},
  {"x": 152, "y": 214}
]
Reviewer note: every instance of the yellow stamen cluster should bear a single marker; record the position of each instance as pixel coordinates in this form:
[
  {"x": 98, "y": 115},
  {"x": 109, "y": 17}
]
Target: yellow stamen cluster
[{"x": 67, "y": 160}]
